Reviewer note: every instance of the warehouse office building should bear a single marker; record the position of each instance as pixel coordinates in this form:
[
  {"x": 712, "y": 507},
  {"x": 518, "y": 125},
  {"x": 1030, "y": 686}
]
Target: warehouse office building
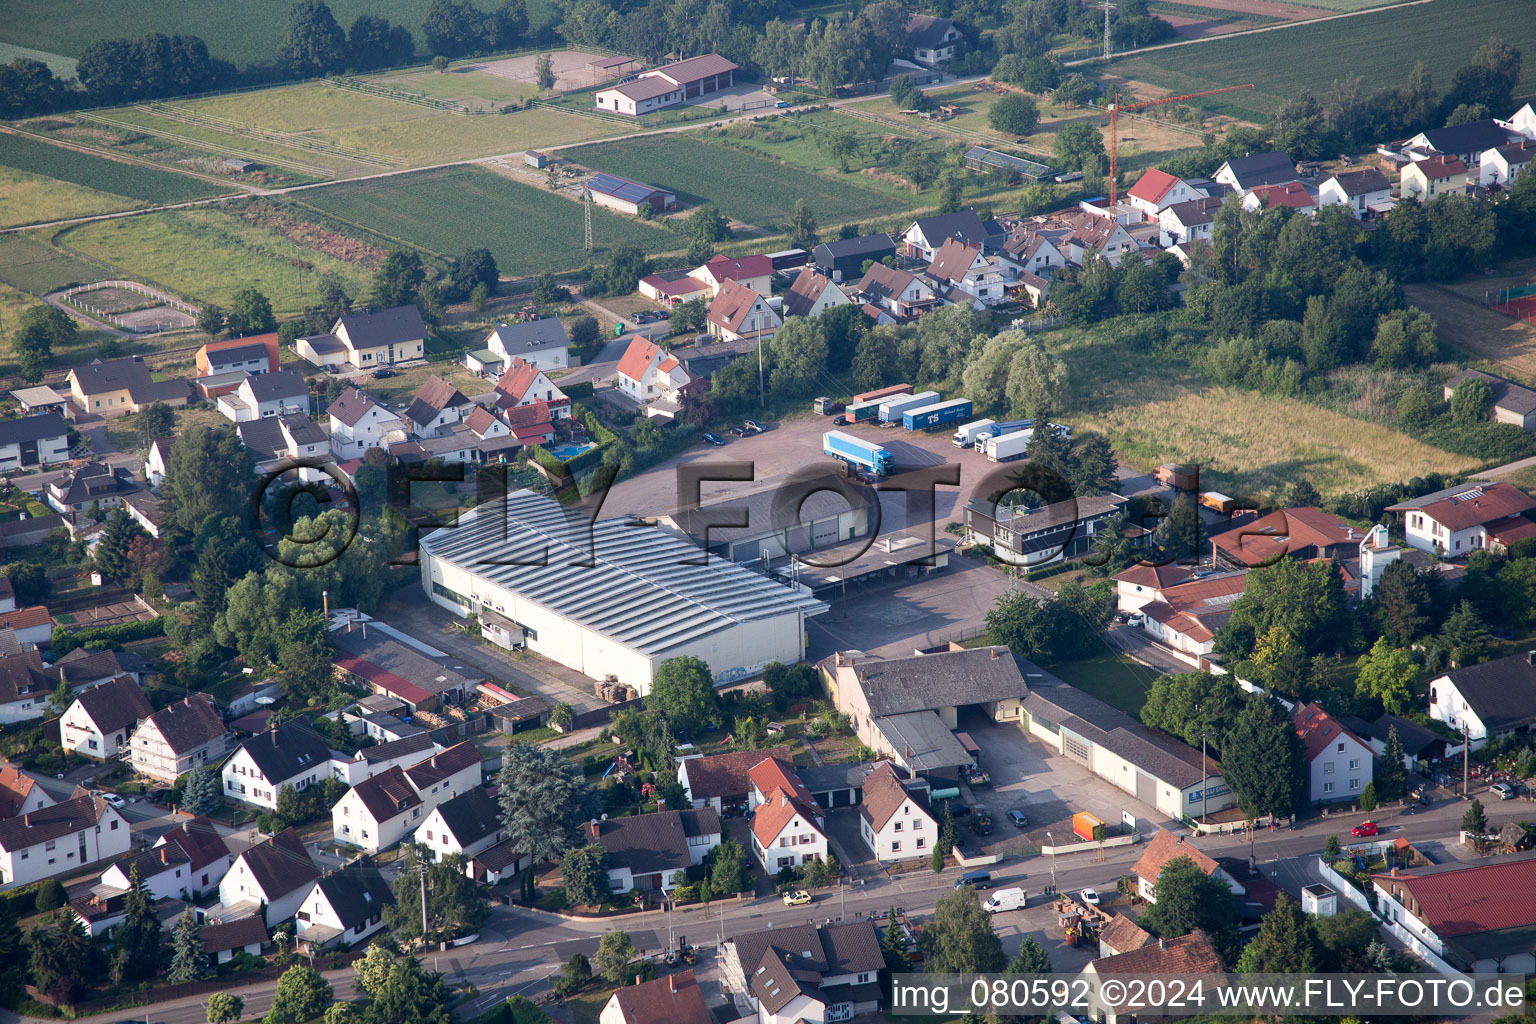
[{"x": 641, "y": 601}]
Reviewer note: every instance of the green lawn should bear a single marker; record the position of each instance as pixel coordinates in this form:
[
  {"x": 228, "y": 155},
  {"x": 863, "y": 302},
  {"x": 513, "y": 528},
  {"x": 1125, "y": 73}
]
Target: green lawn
[
  {"x": 29, "y": 263},
  {"x": 1112, "y": 677},
  {"x": 133, "y": 181},
  {"x": 1381, "y": 48},
  {"x": 27, "y": 198},
  {"x": 527, "y": 229}
]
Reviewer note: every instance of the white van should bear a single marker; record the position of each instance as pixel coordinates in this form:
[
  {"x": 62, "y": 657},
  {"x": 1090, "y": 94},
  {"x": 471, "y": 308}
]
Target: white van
[{"x": 1006, "y": 899}]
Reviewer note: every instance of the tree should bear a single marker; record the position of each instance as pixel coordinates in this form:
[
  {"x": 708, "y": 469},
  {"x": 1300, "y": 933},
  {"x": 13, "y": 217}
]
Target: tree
[
  {"x": 615, "y": 952},
  {"x": 453, "y": 28},
  {"x": 1489, "y": 78},
  {"x": 399, "y": 277},
  {"x": 1262, "y": 760},
  {"x": 544, "y": 72},
  {"x": 1471, "y": 401},
  {"x": 1285, "y": 944},
  {"x": 50, "y": 896},
  {"x": 544, "y": 800},
  {"x": 224, "y": 1008},
  {"x": 1475, "y": 821},
  {"x": 1464, "y": 636},
  {"x": 584, "y": 871},
  {"x": 789, "y": 683},
  {"x": 1014, "y": 114},
  {"x": 153, "y": 422},
  {"x": 729, "y": 871},
  {"x": 440, "y": 63},
  {"x": 1391, "y": 775},
  {"x": 410, "y": 993},
  {"x": 373, "y": 42},
  {"x": 40, "y": 331},
  {"x": 189, "y": 960},
  {"x": 799, "y": 350},
  {"x": 1368, "y": 798},
  {"x": 801, "y": 226},
  {"x": 315, "y": 44},
  {"x": 683, "y": 690},
  {"x": 138, "y": 936},
  {"x": 1188, "y": 898},
  {"x": 1331, "y": 850},
  {"x": 111, "y": 557},
  {"x": 203, "y": 791},
  {"x": 1387, "y": 674},
  {"x": 211, "y": 319},
  {"x": 951, "y": 193},
  {"x": 959, "y": 939},
  {"x": 1193, "y": 706},
  {"x": 372, "y": 971},
  {"x": 1080, "y": 147},
  {"x": 561, "y": 716},
  {"x": 1305, "y": 599},
  {"x": 1037, "y": 380},
  {"x": 343, "y": 1013},
  {"x": 1405, "y": 338},
  {"x": 250, "y": 313},
  {"x": 475, "y": 267},
  {"x": 302, "y": 994},
  {"x": 1030, "y": 959},
  {"x": 1299, "y": 127},
  {"x": 893, "y": 946}
]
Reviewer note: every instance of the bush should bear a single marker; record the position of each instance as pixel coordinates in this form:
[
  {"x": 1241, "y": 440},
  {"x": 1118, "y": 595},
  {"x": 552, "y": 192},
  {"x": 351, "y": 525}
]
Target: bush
[
  {"x": 98, "y": 638},
  {"x": 50, "y": 896}
]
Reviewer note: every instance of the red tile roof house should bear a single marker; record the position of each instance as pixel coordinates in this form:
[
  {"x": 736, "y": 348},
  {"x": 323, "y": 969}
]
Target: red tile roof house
[
  {"x": 1480, "y": 919},
  {"x": 1292, "y": 194},
  {"x": 524, "y": 384},
  {"x": 1339, "y": 763},
  {"x": 1165, "y": 847},
  {"x": 721, "y": 781},
  {"x": 739, "y": 313},
  {"x": 787, "y": 826},
  {"x": 675, "y": 999},
  {"x": 1190, "y": 954},
  {"x": 1304, "y": 533},
  {"x": 754, "y": 272},
  {"x": 1156, "y": 190},
  {"x": 1459, "y": 520},
  {"x": 673, "y": 287},
  {"x": 647, "y": 373},
  {"x": 1185, "y": 614}
]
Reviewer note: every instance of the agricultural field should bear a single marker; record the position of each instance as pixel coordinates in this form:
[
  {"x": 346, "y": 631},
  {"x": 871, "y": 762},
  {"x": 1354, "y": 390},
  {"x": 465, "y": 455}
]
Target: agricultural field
[
  {"x": 27, "y": 198},
  {"x": 754, "y": 189},
  {"x": 527, "y": 229},
  {"x": 1380, "y": 47},
  {"x": 208, "y": 255},
  {"x": 29, "y": 263},
  {"x": 480, "y": 85},
  {"x": 1465, "y": 324},
  {"x": 131, "y": 181},
  {"x": 12, "y": 304}
]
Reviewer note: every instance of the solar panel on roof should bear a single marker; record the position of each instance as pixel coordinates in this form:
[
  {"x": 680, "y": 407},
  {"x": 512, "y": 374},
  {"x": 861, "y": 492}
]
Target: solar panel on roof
[{"x": 621, "y": 188}]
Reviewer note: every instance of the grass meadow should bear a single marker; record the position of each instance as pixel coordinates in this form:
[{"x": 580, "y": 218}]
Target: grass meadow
[
  {"x": 29, "y": 263},
  {"x": 1380, "y": 47},
  {"x": 27, "y": 198},
  {"x": 131, "y": 181}
]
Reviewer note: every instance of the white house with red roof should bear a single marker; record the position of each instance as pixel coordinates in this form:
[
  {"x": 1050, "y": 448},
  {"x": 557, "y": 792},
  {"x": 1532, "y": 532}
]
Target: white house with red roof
[
  {"x": 1157, "y": 190},
  {"x": 20, "y": 793},
  {"x": 1164, "y": 847},
  {"x": 893, "y": 819},
  {"x": 530, "y": 424},
  {"x": 1186, "y": 615},
  {"x": 739, "y": 313},
  {"x": 683, "y": 82},
  {"x": 1292, "y": 194},
  {"x": 525, "y": 384},
  {"x": 358, "y": 423},
  {"x": 754, "y": 272},
  {"x": 964, "y": 272},
  {"x": 1435, "y": 176},
  {"x": 675, "y": 999},
  {"x": 648, "y": 373},
  {"x": 787, "y": 826},
  {"x": 1459, "y": 520},
  {"x": 813, "y": 294},
  {"x": 1338, "y": 762},
  {"x": 1477, "y": 918},
  {"x": 673, "y": 287}
]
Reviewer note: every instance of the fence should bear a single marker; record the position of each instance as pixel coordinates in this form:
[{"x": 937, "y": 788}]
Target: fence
[
  {"x": 160, "y": 299},
  {"x": 1518, "y": 292},
  {"x": 1343, "y": 886}
]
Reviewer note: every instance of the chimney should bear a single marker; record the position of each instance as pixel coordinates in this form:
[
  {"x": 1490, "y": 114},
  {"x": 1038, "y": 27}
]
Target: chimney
[
  {"x": 163, "y": 859},
  {"x": 325, "y": 603},
  {"x": 994, "y": 654},
  {"x": 1162, "y": 944},
  {"x": 638, "y": 979},
  {"x": 1394, "y": 872},
  {"x": 592, "y": 827}
]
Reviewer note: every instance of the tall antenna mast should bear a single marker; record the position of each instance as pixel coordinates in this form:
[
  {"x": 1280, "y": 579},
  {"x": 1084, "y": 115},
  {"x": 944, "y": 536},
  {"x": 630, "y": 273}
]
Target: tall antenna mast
[
  {"x": 1106, "y": 29},
  {"x": 586, "y": 198}
]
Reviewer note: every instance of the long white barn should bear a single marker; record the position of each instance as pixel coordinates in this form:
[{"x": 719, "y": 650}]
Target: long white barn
[{"x": 638, "y": 603}]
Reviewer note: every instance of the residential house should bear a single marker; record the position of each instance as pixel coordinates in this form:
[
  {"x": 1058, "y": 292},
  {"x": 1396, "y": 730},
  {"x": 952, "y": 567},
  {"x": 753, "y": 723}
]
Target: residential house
[
  {"x": 893, "y": 818},
  {"x": 1164, "y": 847},
  {"x": 290, "y": 754},
  {"x": 1475, "y": 919},
  {"x": 1494, "y": 699},
  {"x": 629, "y": 197},
  {"x": 836, "y": 971},
  {"x": 256, "y": 354},
  {"x": 1293, "y": 195},
  {"x": 965, "y": 270},
  {"x": 1157, "y": 190},
  {"x": 468, "y": 824},
  {"x": 1503, "y": 164},
  {"x": 222, "y": 940},
  {"x": 753, "y": 272},
  {"x": 269, "y": 880},
  {"x": 721, "y": 781},
  {"x": 1121, "y": 935},
  {"x": 1434, "y": 176},
  {"x": 673, "y": 287},
  {"x": 649, "y": 852},
  {"x": 280, "y": 440},
  {"x": 99, "y": 722},
  {"x": 646, "y": 372},
  {"x": 738, "y": 313},
  {"x": 343, "y": 907},
  {"x": 1190, "y": 954},
  {"x": 121, "y": 386},
  {"x": 379, "y": 811},
  {"x": 897, "y": 292},
  {"x": 1038, "y": 536},
  {"x": 843, "y": 259},
  {"x": 1186, "y": 615},
  {"x": 685, "y": 81},
  {"x": 1364, "y": 192},
  {"x": 270, "y": 394},
  {"x": 33, "y": 441},
  {"x": 20, "y": 793},
  {"x": 81, "y": 668},
  {"x": 1523, "y": 122},
  {"x": 1187, "y": 222},
  {"x": 157, "y": 460},
  {"x": 1512, "y": 403},
  {"x": 1078, "y": 234},
  {"x": 1034, "y": 252},
  {"x": 1304, "y": 533},
  {"x": 358, "y": 423},
  {"x": 208, "y": 856},
  {"x": 32, "y": 626},
  {"x": 24, "y": 687},
  {"x": 178, "y": 738},
  {"x": 368, "y": 340},
  {"x": 524, "y": 383},
  {"x": 813, "y": 294},
  {"x": 388, "y": 753},
  {"x": 923, "y": 237},
  {"x": 147, "y": 511},
  {"x": 90, "y": 484},
  {"x": 1417, "y": 742},
  {"x": 1142, "y": 584},
  {"x": 437, "y": 406},
  {"x": 1242, "y": 174},
  {"x": 1339, "y": 763},
  {"x": 543, "y": 342},
  {"x": 28, "y": 531},
  {"x": 934, "y": 40},
  {"x": 1459, "y": 520},
  {"x": 167, "y": 871},
  {"x": 60, "y": 839},
  {"x": 675, "y": 999},
  {"x": 1466, "y": 142},
  {"x": 8, "y": 597},
  {"x": 788, "y": 829}
]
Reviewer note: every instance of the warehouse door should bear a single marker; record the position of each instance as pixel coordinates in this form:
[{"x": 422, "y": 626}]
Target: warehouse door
[
  {"x": 1076, "y": 747},
  {"x": 824, "y": 533},
  {"x": 1146, "y": 789}
]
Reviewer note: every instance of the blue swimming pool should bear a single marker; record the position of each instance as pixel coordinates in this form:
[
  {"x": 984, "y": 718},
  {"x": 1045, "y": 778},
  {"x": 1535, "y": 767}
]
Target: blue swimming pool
[{"x": 567, "y": 452}]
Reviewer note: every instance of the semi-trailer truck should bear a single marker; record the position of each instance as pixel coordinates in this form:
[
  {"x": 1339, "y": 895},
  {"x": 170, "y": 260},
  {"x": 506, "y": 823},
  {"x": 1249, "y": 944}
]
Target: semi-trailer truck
[
  {"x": 857, "y": 452},
  {"x": 999, "y": 429},
  {"x": 1007, "y": 447},
  {"x": 936, "y": 415},
  {"x": 880, "y": 394},
  {"x": 966, "y": 435},
  {"x": 892, "y": 408},
  {"x": 861, "y": 412}
]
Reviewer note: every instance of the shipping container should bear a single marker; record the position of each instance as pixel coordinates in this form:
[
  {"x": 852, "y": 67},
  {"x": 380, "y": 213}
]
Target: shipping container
[
  {"x": 892, "y": 408},
  {"x": 1083, "y": 825},
  {"x": 966, "y": 435},
  {"x": 882, "y": 393},
  {"x": 1218, "y": 501},
  {"x": 1178, "y": 476},
  {"x": 937, "y": 415},
  {"x": 861, "y": 412}
]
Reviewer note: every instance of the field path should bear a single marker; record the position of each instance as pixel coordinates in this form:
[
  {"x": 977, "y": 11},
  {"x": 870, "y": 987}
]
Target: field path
[{"x": 1141, "y": 51}]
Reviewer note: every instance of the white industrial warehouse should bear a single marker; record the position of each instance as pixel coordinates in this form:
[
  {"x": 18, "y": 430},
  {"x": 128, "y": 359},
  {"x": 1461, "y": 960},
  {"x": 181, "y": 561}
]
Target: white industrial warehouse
[{"x": 635, "y": 606}]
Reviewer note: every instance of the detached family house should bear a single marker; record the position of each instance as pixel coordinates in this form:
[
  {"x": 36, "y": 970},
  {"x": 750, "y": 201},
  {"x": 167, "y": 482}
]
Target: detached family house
[
  {"x": 814, "y": 973},
  {"x": 896, "y": 292},
  {"x": 1157, "y": 190},
  {"x": 33, "y": 441},
  {"x": 893, "y": 816},
  {"x": 1459, "y": 520},
  {"x": 178, "y": 738},
  {"x": 100, "y": 721},
  {"x": 543, "y": 342},
  {"x": 254, "y": 355},
  {"x": 649, "y": 852},
  {"x": 344, "y": 907},
  {"x": 675, "y": 999},
  {"x": 368, "y": 340},
  {"x": 271, "y": 394},
  {"x": 1164, "y": 847},
  {"x": 121, "y": 386},
  {"x": 468, "y": 824},
  {"x": 1496, "y": 698},
  {"x": 754, "y": 272},
  {"x": 1363, "y": 192},
  {"x": 269, "y": 880},
  {"x": 1435, "y": 176},
  {"x": 788, "y": 829},
  {"x": 934, "y": 40},
  {"x": 378, "y": 812},
  {"x": 1243, "y": 174},
  {"x": 647, "y": 373},
  {"x": 292, "y": 754},
  {"x": 1191, "y": 221},
  {"x": 61, "y": 838},
  {"x": 1339, "y": 763},
  {"x": 722, "y": 781},
  {"x": 966, "y": 274},
  {"x": 1503, "y": 164},
  {"x": 923, "y": 237},
  {"x": 524, "y": 384},
  {"x": 740, "y": 314},
  {"x": 292, "y": 437},
  {"x": 359, "y": 423},
  {"x": 436, "y": 407}
]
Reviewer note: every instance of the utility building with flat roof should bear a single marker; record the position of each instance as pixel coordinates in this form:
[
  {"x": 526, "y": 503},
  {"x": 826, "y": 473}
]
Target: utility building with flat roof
[
  {"x": 614, "y": 597},
  {"x": 627, "y": 196}
]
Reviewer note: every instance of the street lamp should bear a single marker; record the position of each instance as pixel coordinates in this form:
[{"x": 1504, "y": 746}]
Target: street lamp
[{"x": 1052, "y": 841}]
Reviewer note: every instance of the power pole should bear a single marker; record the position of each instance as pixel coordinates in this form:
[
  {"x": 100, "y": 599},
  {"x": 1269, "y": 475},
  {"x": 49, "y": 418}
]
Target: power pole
[
  {"x": 586, "y": 198},
  {"x": 421, "y": 864},
  {"x": 762, "y": 396}
]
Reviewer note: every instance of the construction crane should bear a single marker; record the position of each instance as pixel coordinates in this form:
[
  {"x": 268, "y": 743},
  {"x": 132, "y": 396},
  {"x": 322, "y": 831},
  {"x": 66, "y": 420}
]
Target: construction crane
[{"x": 1114, "y": 128}]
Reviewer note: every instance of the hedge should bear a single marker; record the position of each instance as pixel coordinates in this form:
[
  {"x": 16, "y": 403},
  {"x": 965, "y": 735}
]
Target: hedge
[
  {"x": 577, "y": 390},
  {"x": 538, "y": 453},
  {"x": 37, "y": 510},
  {"x": 99, "y": 638}
]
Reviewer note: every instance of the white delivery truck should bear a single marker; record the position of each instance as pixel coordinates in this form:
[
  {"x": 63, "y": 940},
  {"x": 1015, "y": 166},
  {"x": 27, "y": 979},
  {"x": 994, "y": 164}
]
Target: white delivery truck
[
  {"x": 1007, "y": 447},
  {"x": 1006, "y": 899},
  {"x": 966, "y": 435}
]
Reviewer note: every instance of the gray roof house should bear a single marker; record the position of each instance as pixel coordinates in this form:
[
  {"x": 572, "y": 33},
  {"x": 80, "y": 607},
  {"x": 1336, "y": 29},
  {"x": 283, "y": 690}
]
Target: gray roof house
[
  {"x": 835, "y": 965},
  {"x": 1245, "y": 173},
  {"x": 543, "y": 342},
  {"x": 1512, "y": 403}
]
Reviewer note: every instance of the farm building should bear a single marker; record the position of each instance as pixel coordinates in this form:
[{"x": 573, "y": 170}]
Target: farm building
[
  {"x": 627, "y": 196},
  {"x": 979, "y": 158},
  {"x": 683, "y": 82},
  {"x": 642, "y": 599}
]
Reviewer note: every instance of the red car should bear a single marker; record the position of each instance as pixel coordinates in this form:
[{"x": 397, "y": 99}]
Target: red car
[{"x": 1364, "y": 829}]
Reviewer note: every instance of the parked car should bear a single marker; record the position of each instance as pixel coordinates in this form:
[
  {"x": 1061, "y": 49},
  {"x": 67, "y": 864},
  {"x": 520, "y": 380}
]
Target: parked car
[
  {"x": 796, "y": 898},
  {"x": 781, "y": 104},
  {"x": 754, "y": 426},
  {"x": 384, "y": 374},
  {"x": 713, "y": 439},
  {"x": 1365, "y": 829},
  {"x": 1504, "y": 790},
  {"x": 1090, "y": 897},
  {"x": 738, "y": 432},
  {"x": 959, "y": 810},
  {"x": 114, "y": 800},
  {"x": 1018, "y": 819}
]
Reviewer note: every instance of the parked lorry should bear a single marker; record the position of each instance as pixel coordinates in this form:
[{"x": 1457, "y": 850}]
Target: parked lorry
[
  {"x": 855, "y": 451},
  {"x": 892, "y": 408},
  {"x": 1178, "y": 476},
  {"x": 1083, "y": 825},
  {"x": 1006, "y": 899},
  {"x": 936, "y": 415},
  {"x": 880, "y": 394},
  {"x": 861, "y": 412},
  {"x": 1218, "y": 501},
  {"x": 1007, "y": 447},
  {"x": 826, "y": 406},
  {"x": 999, "y": 429},
  {"x": 966, "y": 435}
]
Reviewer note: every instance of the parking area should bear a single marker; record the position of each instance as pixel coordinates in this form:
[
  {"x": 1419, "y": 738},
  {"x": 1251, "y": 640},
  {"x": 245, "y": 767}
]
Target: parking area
[{"x": 1038, "y": 920}]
